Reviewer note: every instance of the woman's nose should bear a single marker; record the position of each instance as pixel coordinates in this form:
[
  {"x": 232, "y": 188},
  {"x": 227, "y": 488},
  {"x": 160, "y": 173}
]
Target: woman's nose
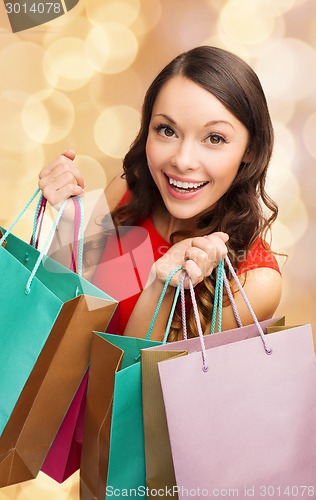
[{"x": 185, "y": 156}]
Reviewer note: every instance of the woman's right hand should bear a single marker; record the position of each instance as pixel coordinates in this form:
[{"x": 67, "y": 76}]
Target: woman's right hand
[
  {"x": 61, "y": 179},
  {"x": 198, "y": 256}
]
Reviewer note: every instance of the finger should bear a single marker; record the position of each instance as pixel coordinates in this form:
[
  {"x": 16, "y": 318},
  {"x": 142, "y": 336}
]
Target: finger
[
  {"x": 69, "y": 153},
  {"x": 193, "y": 271},
  {"x": 223, "y": 236},
  {"x": 57, "y": 197},
  {"x": 213, "y": 245},
  {"x": 205, "y": 260},
  {"x": 61, "y": 165},
  {"x": 57, "y": 188}
]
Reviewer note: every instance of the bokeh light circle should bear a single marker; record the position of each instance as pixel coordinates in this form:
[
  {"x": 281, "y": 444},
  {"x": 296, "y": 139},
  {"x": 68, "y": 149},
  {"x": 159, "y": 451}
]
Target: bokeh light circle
[
  {"x": 66, "y": 65},
  {"x": 242, "y": 21},
  {"x": 15, "y": 63},
  {"x": 111, "y": 48},
  {"x": 115, "y": 130},
  {"x": 309, "y": 134},
  {"x": 273, "y": 8},
  {"x": 47, "y": 116},
  {"x": 13, "y": 138},
  {"x": 280, "y": 66},
  {"x": 117, "y": 11},
  {"x": 92, "y": 171}
]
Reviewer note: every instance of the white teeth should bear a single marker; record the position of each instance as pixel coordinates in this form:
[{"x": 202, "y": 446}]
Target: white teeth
[{"x": 185, "y": 185}]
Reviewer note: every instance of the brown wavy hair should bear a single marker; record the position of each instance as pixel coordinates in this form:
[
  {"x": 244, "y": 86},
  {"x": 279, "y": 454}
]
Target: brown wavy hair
[{"x": 245, "y": 211}]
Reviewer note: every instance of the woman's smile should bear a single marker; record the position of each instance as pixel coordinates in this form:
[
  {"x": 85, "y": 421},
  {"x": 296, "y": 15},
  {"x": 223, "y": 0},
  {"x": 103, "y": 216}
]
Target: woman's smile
[{"x": 184, "y": 188}]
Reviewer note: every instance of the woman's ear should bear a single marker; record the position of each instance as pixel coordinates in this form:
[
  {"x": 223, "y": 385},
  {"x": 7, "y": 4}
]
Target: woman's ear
[{"x": 247, "y": 156}]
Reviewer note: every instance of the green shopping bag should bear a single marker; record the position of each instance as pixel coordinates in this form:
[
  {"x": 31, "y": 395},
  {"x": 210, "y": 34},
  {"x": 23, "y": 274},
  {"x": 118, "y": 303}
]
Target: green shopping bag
[
  {"x": 113, "y": 456},
  {"x": 47, "y": 316}
]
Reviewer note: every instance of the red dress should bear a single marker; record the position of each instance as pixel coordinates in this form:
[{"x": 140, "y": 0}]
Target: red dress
[{"x": 128, "y": 257}]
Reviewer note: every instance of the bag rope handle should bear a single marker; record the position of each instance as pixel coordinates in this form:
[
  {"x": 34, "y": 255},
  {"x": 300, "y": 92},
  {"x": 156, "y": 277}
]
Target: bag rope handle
[
  {"x": 49, "y": 237},
  {"x": 267, "y": 349},
  {"x": 218, "y": 300},
  {"x": 196, "y": 316},
  {"x": 16, "y": 220},
  {"x": 79, "y": 229},
  {"x": 38, "y": 221},
  {"x": 154, "y": 318},
  {"x": 217, "y": 306}
]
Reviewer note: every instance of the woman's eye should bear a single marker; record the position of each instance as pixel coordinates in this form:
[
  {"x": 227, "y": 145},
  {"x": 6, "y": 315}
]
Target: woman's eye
[
  {"x": 165, "y": 131},
  {"x": 216, "y": 139}
]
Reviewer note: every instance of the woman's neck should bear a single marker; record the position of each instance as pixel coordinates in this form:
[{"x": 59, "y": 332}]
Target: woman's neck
[{"x": 165, "y": 224}]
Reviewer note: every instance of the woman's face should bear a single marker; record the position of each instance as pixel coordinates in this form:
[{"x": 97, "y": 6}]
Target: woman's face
[{"x": 194, "y": 147}]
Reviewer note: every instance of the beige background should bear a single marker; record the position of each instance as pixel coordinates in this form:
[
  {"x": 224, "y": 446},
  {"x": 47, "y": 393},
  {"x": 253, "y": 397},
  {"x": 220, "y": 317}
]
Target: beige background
[{"x": 79, "y": 81}]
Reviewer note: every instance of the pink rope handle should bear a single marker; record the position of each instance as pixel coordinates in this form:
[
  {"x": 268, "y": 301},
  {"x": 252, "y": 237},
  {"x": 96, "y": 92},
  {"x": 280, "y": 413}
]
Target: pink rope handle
[
  {"x": 198, "y": 324},
  {"x": 183, "y": 307},
  {"x": 196, "y": 316},
  {"x": 74, "y": 251},
  {"x": 267, "y": 349},
  {"x": 232, "y": 301},
  {"x": 183, "y": 304},
  {"x": 38, "y": 223}
]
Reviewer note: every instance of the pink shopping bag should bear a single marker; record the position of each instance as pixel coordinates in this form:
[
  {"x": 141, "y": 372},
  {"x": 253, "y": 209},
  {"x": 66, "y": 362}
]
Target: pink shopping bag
[
  {"x": 242, "y": 420},
  {"x": 63, "y": 458}
]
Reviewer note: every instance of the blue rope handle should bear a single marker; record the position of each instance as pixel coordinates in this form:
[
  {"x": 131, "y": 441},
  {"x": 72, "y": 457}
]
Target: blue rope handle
[
  {"x": 45, "y": 247},
  {"x": 53, "y": 229},
  {"x": 218, "y": 299},
  {"x": 49, "y": 237},
  {"x": 174, "y": 304},
  {"x": 6, "y": 234},
  {"x": 154, "y": 318},
  {"x": 35, "y": 221}
]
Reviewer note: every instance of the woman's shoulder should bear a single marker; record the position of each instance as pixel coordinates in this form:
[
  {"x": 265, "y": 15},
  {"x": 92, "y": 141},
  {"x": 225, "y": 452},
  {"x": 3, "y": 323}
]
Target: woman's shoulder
[
  {"x": 259, "y": 255},
  {"x": 116, "y": 191}
]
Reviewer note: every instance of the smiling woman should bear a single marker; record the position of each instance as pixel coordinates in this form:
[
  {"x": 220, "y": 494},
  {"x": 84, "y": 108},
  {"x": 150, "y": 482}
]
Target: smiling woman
[{"x": 194, "y": 180}]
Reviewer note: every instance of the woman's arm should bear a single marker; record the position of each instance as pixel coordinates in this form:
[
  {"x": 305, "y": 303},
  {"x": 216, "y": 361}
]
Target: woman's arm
[{"x": 263, "y": 287}]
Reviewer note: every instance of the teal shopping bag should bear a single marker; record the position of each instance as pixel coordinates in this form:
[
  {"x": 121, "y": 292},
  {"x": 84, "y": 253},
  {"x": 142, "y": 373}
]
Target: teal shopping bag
[
  {"x": 112, "y": 452},
  {"x": 113, "y": 456},
  {"x": 47, "y": 316}
]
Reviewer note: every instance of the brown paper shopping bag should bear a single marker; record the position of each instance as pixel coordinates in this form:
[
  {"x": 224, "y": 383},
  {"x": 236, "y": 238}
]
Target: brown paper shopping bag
[{"x": 47, "y": 317}]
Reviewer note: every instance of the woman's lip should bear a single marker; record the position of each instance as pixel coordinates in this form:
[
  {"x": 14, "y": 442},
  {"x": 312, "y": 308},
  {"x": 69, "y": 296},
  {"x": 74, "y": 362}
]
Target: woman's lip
[
  {"x": 184, "y": 179},
  {"x": 182, "y": 195}
]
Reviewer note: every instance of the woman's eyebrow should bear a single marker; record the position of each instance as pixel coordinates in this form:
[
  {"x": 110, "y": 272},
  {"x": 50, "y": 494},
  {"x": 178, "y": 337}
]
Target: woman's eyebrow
[
  {"x": 166, "y": 117},
  {"x": 212, "y": 122},
  {"x": 216, "y": 122}
]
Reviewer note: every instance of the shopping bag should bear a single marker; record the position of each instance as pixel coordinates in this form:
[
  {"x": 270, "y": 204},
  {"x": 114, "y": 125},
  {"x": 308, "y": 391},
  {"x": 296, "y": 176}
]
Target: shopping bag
[
  {"x": 113, "y": 457},
  {"x": 47, "y": 317},
  {"x": 112, "y": 454},
  {"x": 63, "y": 458},
  {"x": 159, "y": 463},
  {"x": 242, "y": 415}
]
